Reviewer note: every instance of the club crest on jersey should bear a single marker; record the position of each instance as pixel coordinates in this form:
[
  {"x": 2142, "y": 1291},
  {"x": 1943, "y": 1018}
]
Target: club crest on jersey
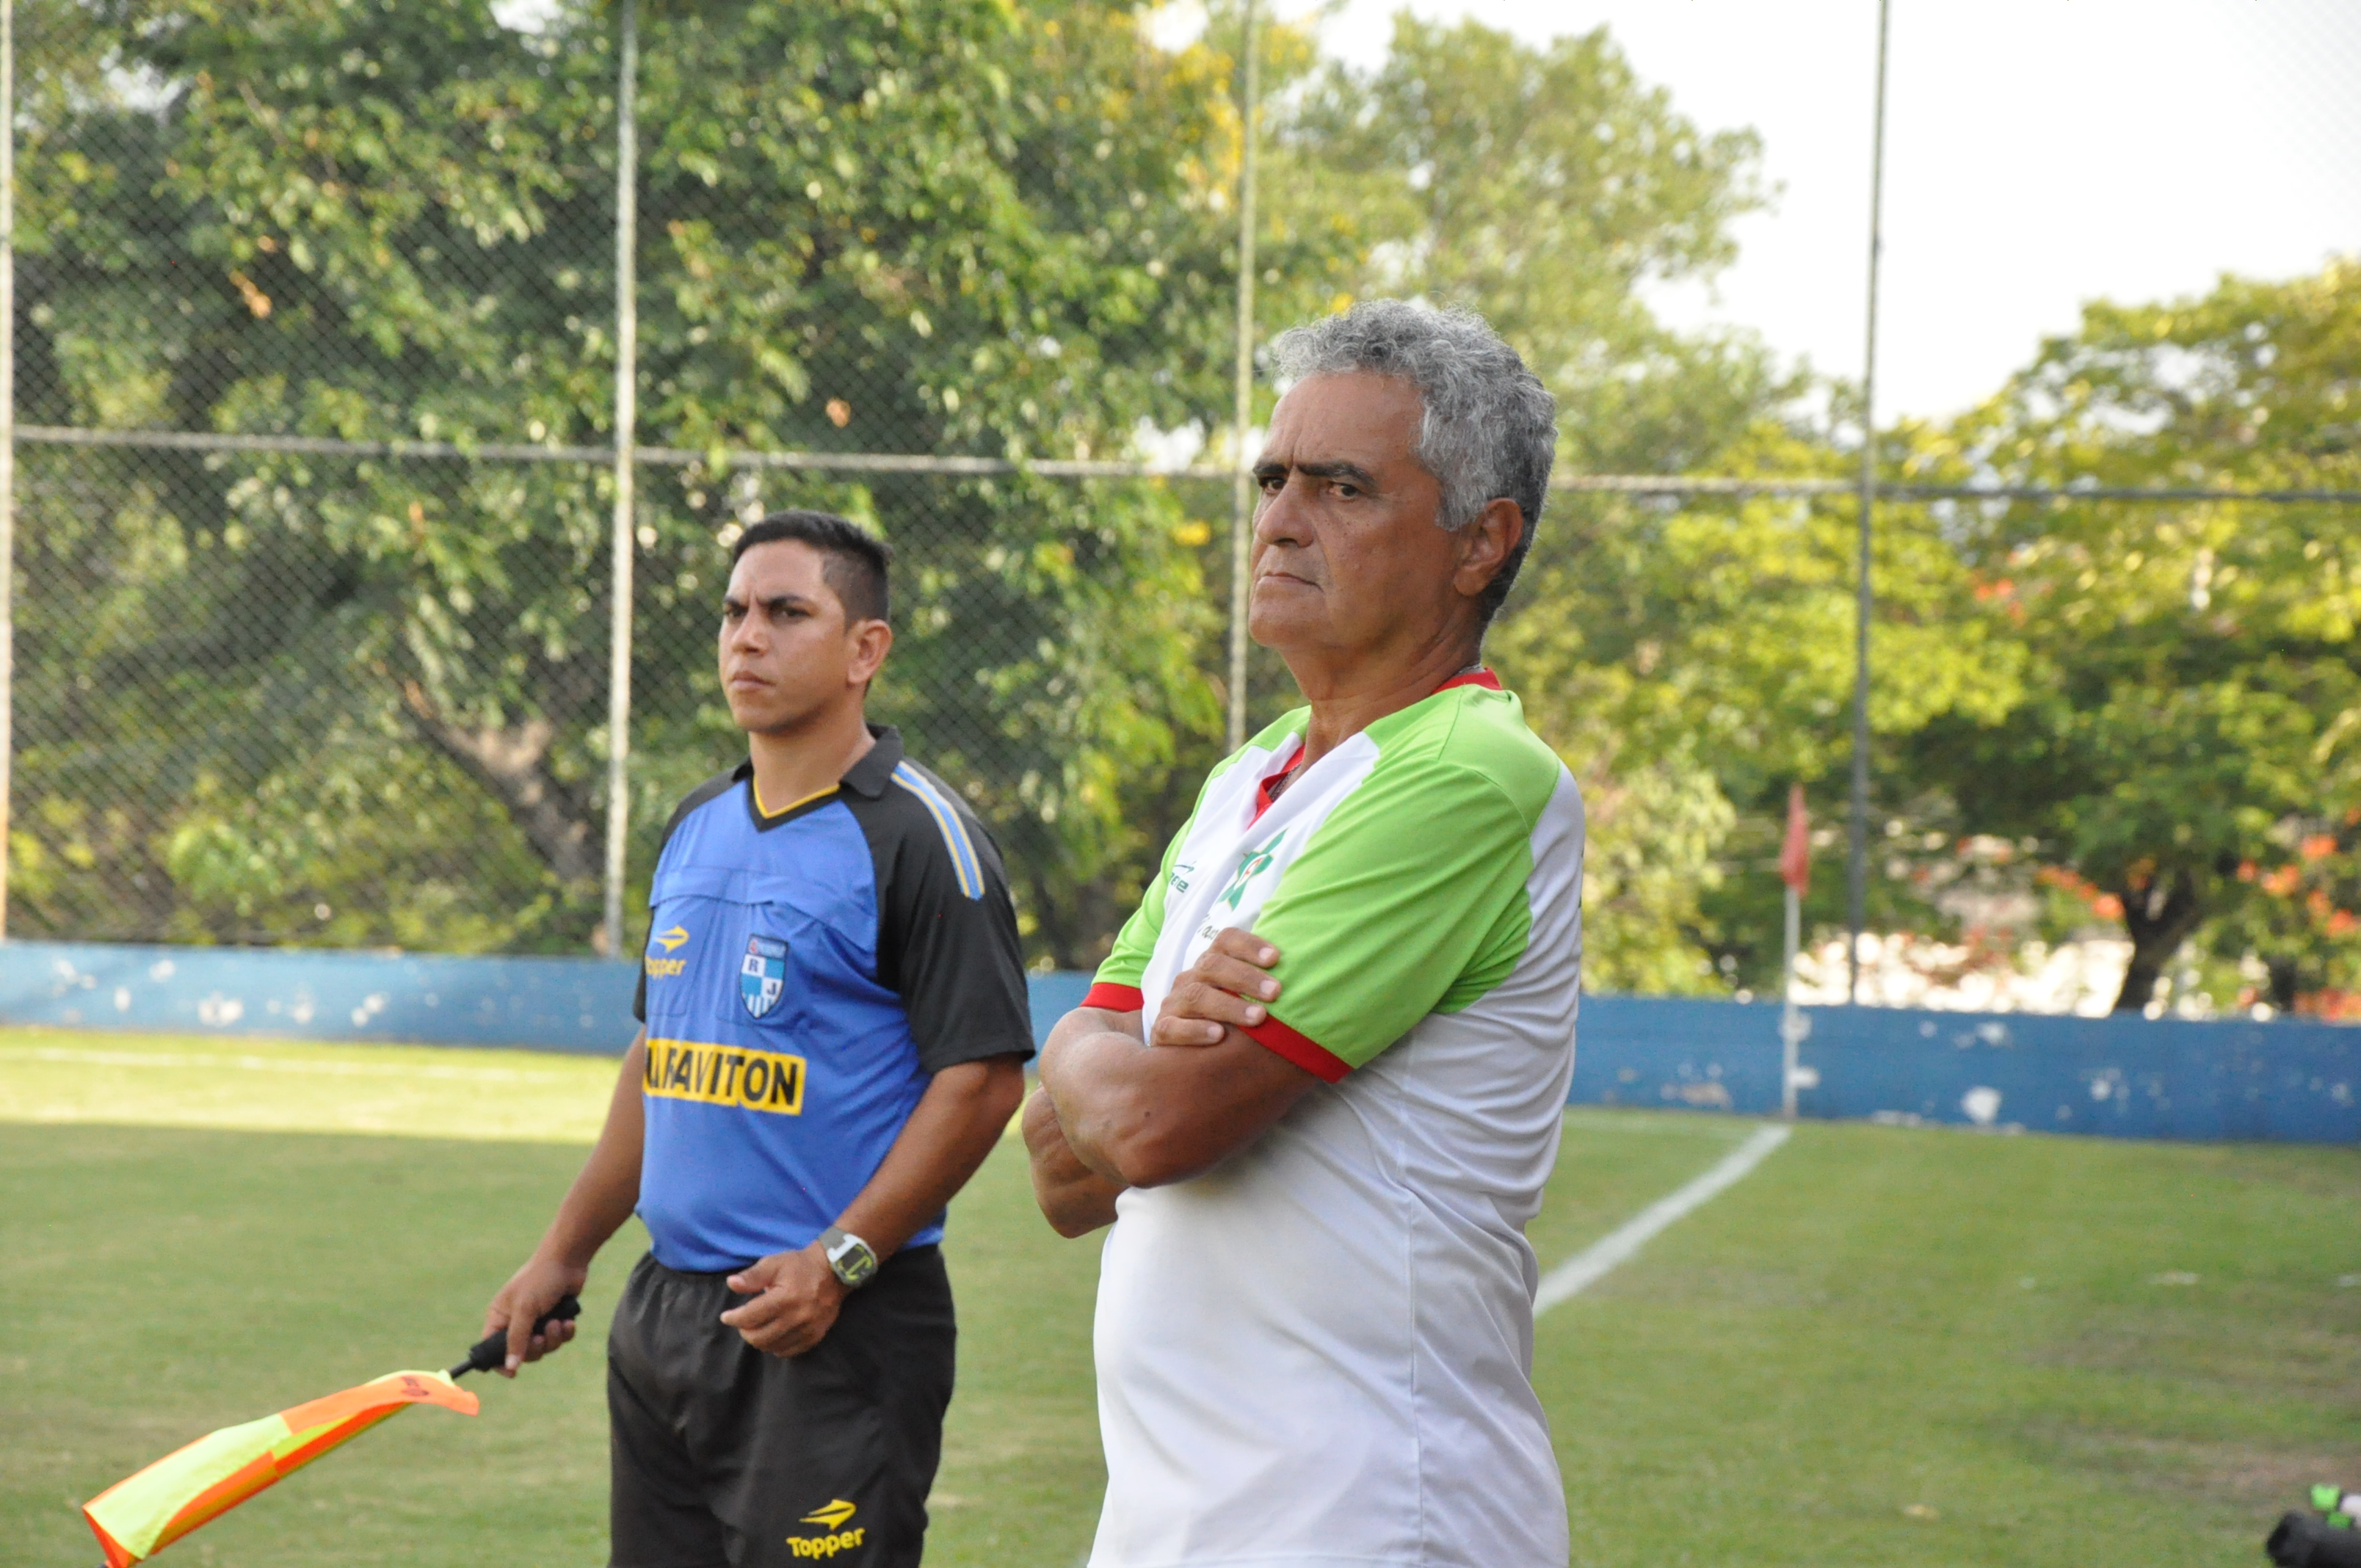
[
  {"x": 1251, "y": 865},
  {"x": 763, "y": 978}
]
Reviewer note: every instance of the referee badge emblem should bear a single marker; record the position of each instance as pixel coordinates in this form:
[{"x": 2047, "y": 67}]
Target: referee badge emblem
[{"x": 764, "y": 976}]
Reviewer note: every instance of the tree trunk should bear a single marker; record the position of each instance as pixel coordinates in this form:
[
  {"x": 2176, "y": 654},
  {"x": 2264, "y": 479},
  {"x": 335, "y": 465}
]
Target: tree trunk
[
  {"x": 2159, "y": 917},
  {"x": 2285, "y": 981},
  {"x": 511, "y": 760}
]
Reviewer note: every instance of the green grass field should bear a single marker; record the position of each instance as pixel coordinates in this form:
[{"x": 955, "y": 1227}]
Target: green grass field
[{"x": 1883, "y": 1347}]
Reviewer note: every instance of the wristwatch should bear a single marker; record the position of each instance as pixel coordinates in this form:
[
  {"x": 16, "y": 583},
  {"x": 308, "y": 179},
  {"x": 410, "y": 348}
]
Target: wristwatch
[{"x": 849, "y": 1258}]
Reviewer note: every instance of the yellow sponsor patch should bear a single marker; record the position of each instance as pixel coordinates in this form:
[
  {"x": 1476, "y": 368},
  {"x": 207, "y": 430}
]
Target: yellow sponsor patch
[
  {"x": 664, "y": 969},
  {"x": 725, "y": 1075}
]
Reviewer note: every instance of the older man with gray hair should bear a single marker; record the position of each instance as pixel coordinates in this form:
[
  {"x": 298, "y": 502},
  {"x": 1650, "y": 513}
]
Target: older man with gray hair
[{"x": 1316, "y": 1087}]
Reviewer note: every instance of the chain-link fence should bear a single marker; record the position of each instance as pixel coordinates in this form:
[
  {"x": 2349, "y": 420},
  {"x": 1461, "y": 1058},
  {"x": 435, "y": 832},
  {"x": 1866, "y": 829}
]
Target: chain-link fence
[
  {"x": 315, "y": 358},
  {"x": 319, "y": 336}
]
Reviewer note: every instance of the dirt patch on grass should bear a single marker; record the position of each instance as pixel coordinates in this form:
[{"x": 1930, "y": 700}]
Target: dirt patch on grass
[
  {"x": 2251, "y": 1478},
  {"x": 2254, "y": 1354}
]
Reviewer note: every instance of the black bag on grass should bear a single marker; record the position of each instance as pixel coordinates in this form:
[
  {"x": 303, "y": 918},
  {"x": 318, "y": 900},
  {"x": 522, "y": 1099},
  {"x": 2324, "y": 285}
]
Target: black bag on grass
[{"x": 2304, "y": 1541}]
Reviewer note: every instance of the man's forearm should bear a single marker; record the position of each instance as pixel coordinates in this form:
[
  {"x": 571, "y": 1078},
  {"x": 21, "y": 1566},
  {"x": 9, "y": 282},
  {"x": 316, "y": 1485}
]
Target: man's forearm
[
  {"x": 608, "y": 1189},
  {"x": 962, "y": 1115},
  {"x": 1073, "y": 1198},
  {"x": 1063, "y": 1059},
  {"x": 1095, "y": 1100},
  {"x": 1143, "y": 1116},
  {"x": 796, "y": 1295}
]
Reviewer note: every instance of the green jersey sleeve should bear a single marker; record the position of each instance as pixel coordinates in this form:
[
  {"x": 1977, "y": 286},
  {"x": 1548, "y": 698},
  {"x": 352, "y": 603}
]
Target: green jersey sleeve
[
  {"x": 1410, "y": 899},
  {"x": 1115, "y": 986}
]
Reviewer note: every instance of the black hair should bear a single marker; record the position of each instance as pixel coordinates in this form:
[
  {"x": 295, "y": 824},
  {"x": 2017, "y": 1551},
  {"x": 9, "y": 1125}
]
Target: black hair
[{"x": 853, "y": 561}]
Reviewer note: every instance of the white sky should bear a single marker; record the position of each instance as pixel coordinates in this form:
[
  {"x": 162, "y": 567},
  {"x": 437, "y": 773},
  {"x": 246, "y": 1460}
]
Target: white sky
[{"x": 2039, "y": 153}]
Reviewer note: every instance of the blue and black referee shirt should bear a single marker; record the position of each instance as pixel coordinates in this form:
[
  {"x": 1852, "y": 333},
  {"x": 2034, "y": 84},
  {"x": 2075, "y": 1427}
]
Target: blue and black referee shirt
[{"x": 806, "y": 973}]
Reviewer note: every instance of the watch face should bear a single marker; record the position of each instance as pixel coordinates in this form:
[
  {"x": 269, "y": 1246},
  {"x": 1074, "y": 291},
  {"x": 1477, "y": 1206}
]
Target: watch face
[{"x": 852, "y": 1261}]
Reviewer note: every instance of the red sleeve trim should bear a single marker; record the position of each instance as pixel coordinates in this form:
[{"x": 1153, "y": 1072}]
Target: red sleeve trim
[
  {"x": 1113, "y": 998},
  {"x": 1302, "y": 1049}
]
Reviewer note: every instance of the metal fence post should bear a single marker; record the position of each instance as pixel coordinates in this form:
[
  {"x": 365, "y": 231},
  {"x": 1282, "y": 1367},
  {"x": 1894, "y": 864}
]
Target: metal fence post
[
  {"x": 1241, "y": 487},
  {"x": 7, "y": 431},
  {"x": 627, "y": 355},
  {"x": 1857, "y": 830}
]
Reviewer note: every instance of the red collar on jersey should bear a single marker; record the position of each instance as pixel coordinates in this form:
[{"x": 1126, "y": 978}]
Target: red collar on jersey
[{"x": 1273, "y": 785}]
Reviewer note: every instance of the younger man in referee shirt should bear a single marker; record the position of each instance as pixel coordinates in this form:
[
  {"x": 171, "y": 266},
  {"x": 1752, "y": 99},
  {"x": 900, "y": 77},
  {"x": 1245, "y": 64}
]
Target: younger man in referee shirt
[{"x": 836, "y": 1028}]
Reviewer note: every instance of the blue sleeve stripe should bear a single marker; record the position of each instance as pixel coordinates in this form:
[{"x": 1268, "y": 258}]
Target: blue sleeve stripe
[{"x": 954, "y": 831}]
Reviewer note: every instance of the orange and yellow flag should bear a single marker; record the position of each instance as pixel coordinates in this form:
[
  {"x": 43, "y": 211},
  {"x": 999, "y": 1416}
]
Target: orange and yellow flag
[{"x": 141, "y": 1515}]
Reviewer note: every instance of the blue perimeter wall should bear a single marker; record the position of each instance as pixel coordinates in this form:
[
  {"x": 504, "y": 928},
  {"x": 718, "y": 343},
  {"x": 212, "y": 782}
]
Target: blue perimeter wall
[{"x": 2123, "y": 1077}]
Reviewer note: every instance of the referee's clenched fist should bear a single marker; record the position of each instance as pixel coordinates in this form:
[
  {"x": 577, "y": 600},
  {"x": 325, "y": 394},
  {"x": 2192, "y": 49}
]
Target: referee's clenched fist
[{"x": 836, "y": 1028}]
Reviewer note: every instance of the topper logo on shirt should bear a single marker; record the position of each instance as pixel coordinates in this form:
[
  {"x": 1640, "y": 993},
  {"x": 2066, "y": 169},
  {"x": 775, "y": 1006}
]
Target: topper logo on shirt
[
  {"x": 1252, "y": 864},
  {"x": 763, "y": 978},
  {"x": 670, "y": 941}
]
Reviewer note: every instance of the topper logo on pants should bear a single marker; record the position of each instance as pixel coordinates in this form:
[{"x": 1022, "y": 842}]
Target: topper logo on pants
[{"x": 831, "y": 1518}]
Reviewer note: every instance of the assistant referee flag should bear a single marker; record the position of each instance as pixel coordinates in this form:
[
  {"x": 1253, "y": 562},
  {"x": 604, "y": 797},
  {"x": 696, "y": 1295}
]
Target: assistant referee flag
[{"x": 138, "y": 1517}]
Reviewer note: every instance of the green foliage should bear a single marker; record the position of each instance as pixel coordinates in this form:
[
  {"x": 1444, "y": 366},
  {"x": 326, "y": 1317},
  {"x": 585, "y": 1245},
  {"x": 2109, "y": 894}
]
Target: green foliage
[
  {"x": 318, "y": 220},
  {"x": 969, "y": 230},
  {"x": 957, "y": 228},
  {"x": 1545, "y": 187},
  {"x": 2194, "y": 670},
  {"x": 297, "y": 698},
  {"x": 1716, "y": 639}
]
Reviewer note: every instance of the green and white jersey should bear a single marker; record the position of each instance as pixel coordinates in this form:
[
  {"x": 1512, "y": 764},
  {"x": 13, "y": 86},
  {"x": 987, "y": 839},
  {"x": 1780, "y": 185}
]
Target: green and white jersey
[{"x": 1319, "y": 1353}]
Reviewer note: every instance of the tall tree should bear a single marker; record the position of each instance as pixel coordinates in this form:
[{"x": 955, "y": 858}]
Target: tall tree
[
  {"x": 1548, "y": 187},
  {"x": 953, "y": 226},
  {"x": 1688, "y": 659},
  {"x": 2188, "y": 735}
]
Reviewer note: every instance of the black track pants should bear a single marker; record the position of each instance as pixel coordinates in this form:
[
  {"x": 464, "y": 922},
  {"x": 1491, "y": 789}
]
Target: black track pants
[{"x": 725, "y": 1457}]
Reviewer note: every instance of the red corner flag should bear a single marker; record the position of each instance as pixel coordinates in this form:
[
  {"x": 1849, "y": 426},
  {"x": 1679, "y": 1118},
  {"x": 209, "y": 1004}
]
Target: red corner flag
[{"x": 1795, "y": 854}]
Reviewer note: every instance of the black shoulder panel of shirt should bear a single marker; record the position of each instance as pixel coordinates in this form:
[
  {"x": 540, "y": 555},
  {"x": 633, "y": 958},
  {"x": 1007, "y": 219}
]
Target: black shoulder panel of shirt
[{"x": 946, "y": 941}]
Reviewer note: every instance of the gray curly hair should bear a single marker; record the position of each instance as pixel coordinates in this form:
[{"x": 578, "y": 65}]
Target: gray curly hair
[{"x": 1489, "y": 428}]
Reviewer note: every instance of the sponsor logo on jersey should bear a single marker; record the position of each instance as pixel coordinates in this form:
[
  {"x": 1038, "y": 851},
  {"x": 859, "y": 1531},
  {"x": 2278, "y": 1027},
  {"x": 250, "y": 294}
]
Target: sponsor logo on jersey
[
  {"x": 725, "y": 1075},
  {"x": 762, "y": 977},
  {"x": 670, "y": 941},
  {"x": 1251, "y": 865},
  {"x": 1179, "y": 878},
  {"x": 831, "y": 1520}
]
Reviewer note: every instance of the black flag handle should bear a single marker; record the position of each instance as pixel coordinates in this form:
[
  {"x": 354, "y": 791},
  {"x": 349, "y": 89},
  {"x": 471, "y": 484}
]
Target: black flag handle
[{"x": 492, "y": 1350}]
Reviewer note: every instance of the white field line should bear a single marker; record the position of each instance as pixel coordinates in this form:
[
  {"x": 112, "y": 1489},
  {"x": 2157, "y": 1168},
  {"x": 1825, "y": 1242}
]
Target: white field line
[
  {"x": 282, "y": 1064},
  {"x": 1601, "y": 1257}
]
